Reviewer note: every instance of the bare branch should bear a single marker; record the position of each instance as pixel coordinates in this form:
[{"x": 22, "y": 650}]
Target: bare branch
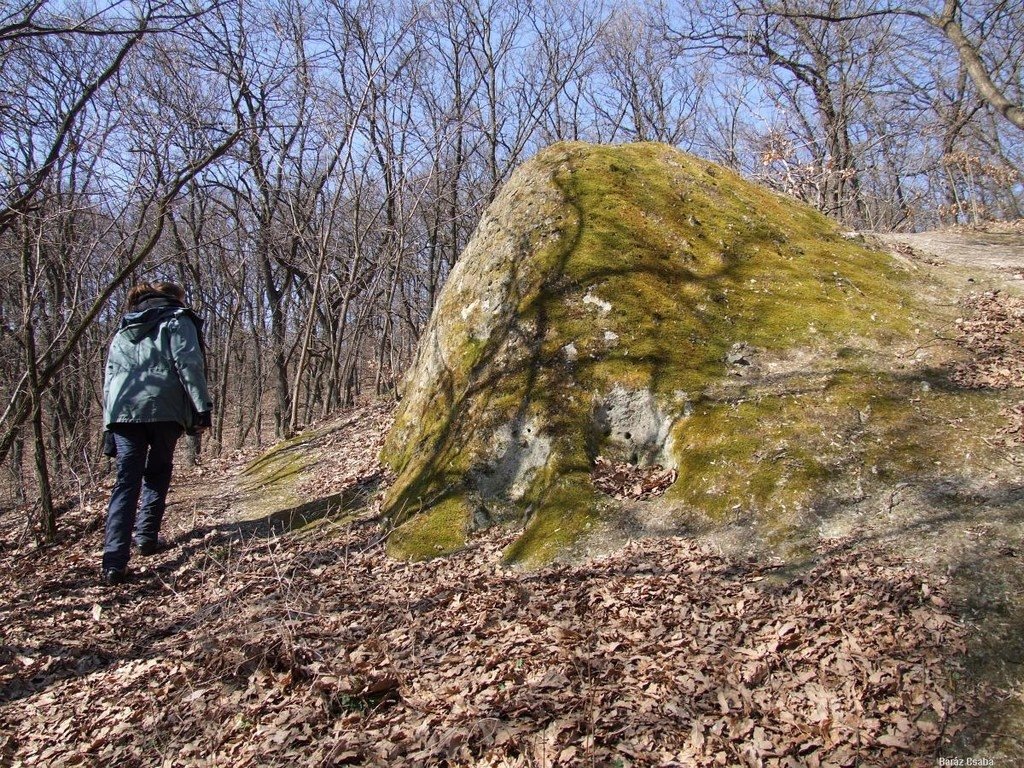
[{"x": 23, "y": 202}]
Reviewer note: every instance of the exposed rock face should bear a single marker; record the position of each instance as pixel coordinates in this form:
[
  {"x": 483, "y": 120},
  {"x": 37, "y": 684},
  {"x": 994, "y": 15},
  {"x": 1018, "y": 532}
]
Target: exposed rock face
[{"x": 627, "y": 302}]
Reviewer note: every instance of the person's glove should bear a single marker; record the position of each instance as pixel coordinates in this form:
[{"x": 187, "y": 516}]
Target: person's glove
[
  {"x": 204, "y": 420},
  {"x": 109, "y": 446}
]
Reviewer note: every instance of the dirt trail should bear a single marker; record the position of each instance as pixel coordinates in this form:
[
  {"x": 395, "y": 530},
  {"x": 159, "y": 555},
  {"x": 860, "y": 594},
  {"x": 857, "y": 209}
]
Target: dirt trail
[
  {"x": 997, "y": 256},
  {"x": 973, "y": 526}
]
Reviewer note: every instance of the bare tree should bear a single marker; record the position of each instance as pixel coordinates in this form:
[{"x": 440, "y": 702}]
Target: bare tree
[
  {"x": 65, "y": 205},
  {"x": 998, "y": 23},
  {"x": 645, "y": 90}
]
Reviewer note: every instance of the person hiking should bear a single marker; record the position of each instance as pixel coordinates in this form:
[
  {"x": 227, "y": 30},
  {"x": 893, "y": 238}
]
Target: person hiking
[{"x": 154, "y": 389}]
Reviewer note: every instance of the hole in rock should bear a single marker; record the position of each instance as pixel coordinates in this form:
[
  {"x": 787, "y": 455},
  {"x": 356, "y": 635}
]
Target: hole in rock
[{"x": 625, "y": 481}]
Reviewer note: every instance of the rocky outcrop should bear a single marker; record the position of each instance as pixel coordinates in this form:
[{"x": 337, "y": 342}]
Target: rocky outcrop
[{"x": 641, "y": 305}]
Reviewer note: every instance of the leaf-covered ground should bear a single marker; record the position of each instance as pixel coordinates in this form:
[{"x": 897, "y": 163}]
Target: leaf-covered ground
[{"x": 241, "y": 647}]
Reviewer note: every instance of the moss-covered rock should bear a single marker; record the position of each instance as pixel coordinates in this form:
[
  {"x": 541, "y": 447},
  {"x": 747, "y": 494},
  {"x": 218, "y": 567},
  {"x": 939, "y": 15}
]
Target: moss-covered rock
[{"x": 638, "y": 303}]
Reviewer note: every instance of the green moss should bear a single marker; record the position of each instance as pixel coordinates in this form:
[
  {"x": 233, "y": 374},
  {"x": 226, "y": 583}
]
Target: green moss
[
  {"x": 439, "y": 530},
  {"x": 279, "y": 464},
  {"x": 270, "y": 483},
  {"x": 749, "y": 457},
  {"x": 568, "y": 510},
  {"x": 273, "y": 486}
]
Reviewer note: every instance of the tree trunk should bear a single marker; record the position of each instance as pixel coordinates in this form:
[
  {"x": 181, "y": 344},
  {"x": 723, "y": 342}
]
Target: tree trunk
[{"x": 976, "y": 68}]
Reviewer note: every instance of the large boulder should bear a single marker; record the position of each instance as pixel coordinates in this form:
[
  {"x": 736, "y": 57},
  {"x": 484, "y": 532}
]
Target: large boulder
[{"x": 635, "y": 306}]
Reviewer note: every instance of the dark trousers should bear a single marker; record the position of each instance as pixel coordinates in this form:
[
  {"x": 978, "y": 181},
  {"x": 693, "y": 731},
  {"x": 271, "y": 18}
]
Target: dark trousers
[{"x": 145, "y": 454}]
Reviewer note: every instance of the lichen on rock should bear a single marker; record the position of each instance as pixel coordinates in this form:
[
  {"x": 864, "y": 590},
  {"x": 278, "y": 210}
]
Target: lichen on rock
[{"x": 637, "y": 303}]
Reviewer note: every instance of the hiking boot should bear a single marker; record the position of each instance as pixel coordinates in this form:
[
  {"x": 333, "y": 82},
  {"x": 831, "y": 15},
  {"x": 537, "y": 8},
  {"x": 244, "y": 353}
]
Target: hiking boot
[
  {"x": 114, "y": 576},
  {"x": 149, "y": 547}
]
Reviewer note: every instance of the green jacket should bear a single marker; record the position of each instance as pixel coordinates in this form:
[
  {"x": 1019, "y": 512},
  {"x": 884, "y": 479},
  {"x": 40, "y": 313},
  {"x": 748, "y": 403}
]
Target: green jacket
[{"x": 155, "y": 369}]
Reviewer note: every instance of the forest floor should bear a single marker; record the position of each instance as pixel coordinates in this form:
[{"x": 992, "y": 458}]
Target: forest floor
[{"x": 247, "y": 645}]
